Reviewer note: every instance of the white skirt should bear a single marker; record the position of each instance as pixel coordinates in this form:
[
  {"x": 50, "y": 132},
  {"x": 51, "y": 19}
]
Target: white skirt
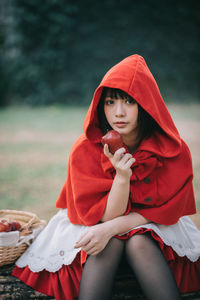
[{"x": 54, "y": 246}]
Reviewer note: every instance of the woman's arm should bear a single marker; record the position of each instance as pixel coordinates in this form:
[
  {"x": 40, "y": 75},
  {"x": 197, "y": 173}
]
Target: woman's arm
[
  {"x": 119, "y": 193},
  {"x": 123, "y": 224},
  {"x": 97, "y": 236}
]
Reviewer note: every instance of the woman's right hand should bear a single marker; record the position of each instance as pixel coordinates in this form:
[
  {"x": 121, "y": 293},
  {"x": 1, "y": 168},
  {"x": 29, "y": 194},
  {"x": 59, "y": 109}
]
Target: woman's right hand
[
  {"x": 95, "y": 239},
  {"x": 121, "y": 161}
]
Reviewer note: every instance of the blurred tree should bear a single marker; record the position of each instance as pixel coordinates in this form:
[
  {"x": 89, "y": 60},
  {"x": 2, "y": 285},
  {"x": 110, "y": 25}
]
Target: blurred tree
[
  {"x": 165, "y": 33},
  {"x": 45, "y": 29},
  {"x": 4, "y": 77},
  {"x": 4, "y": 80},
  {"x": 62, "y": 48}
]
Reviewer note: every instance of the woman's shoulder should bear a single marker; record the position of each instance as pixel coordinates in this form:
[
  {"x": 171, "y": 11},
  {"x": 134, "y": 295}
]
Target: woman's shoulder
[
  {"x": 181, "y": 162},
  {"x": 185, "y": 151},
  {"x": 185, "y": 148}
]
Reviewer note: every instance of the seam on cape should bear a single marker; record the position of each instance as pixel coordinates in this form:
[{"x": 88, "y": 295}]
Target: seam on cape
[{"x": 134, "y": 74}]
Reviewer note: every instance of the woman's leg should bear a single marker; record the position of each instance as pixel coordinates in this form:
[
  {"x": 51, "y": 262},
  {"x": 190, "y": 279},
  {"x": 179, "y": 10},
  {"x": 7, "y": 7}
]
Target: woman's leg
[
  {"x": 99, "y": 272},
  {"x": 151, "y": 268}
]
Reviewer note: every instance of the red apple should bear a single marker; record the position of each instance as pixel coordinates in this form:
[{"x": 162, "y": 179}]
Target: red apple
[
  {"x": 15, "y": 225},
  {"x": 5, "y": 225},
  {"x": 113, "y": 139}
]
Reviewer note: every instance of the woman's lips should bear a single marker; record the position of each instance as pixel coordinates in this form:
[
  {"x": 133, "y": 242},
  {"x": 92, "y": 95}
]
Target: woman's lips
[{"x": 120, "y": 124}]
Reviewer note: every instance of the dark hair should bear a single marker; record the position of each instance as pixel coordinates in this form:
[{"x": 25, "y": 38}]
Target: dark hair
[{"x": 146, "y": 124}]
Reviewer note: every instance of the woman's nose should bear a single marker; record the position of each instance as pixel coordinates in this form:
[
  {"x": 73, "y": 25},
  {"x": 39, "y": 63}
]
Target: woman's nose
[{"x": 119, "y": 109}]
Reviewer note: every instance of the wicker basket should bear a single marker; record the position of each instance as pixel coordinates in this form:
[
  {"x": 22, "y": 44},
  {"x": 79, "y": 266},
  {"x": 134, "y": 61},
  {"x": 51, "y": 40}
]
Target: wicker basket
[{"x": 28, "y": 222}]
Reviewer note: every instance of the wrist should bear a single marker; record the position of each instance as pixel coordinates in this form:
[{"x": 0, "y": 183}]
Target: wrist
[
  {"x": 121, "y": 178},
  {"x": 110, "y": 229}
]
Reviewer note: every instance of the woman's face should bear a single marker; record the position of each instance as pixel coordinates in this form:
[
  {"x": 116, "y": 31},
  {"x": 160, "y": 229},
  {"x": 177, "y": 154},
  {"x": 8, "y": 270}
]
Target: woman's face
[{"x": 122, "y": 115}]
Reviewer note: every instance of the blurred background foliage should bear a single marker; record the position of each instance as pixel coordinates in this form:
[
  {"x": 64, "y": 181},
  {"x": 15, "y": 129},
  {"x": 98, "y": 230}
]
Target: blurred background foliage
[{"x": 56, "y": 51}]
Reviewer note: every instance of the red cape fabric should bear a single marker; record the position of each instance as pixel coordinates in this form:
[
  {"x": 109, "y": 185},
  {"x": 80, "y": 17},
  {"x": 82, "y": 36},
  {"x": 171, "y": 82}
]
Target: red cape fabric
[{"x": 161, "y": 184}]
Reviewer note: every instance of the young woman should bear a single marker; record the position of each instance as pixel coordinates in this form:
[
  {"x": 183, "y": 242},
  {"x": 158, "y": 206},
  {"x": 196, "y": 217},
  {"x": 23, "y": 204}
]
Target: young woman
[{"x": 134, "y": 202}]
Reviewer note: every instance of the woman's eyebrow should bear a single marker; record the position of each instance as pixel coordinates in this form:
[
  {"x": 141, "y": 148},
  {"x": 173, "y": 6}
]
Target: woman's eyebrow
[{"x": 108, "y": 98}]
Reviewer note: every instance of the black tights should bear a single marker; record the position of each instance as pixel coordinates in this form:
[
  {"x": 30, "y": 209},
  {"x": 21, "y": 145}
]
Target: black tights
[
  {"x": 151, "y": 269},
  {"x": 99, "y": 272},
  {"x": 147, "y": 262}
]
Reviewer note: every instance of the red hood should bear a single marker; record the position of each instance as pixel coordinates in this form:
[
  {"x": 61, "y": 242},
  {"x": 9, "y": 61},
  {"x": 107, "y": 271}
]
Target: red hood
[{"x": 134, "y": 77}]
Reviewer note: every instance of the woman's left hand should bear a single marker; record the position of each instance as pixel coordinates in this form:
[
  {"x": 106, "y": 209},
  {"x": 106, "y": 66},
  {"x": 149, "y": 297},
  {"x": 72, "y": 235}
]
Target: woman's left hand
[{"x": 95, "y": 239}]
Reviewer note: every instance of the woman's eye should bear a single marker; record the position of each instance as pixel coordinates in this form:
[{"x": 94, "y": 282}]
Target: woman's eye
[
  {"x": 130, "y": 101},
  {"x": 109, "y": 102}
]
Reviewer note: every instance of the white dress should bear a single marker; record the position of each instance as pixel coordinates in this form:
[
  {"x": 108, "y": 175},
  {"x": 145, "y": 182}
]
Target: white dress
[{"x": 54, "y": 246}]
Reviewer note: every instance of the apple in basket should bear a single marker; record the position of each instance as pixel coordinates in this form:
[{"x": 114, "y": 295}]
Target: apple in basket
[
  {"x": 7, "y": 226},
  {"x": 15, "y": 226},
  {"x": 113, "y": 139}
]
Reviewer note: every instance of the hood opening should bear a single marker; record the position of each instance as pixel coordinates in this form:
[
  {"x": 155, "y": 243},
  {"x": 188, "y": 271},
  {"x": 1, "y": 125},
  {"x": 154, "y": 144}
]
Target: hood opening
[{"x": 133, "y": 77}]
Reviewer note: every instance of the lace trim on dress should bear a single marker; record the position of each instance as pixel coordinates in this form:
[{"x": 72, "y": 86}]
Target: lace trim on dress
[
  {"x": 54, "y": 247},
  {"x": 183, "y": 237}
]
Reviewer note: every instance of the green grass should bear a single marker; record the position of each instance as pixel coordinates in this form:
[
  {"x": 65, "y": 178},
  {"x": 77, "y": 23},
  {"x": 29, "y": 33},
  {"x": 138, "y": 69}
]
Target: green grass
[
  {"x": 189, "y": 111},
  {"x": 34, "y": 148},
  {"x": 35, "y": 145},
  {"x": 52, "y": 118}
]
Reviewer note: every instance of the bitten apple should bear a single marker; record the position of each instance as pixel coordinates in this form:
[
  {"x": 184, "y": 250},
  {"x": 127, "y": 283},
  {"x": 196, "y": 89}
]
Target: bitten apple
[{"x": 113, "y": 139}]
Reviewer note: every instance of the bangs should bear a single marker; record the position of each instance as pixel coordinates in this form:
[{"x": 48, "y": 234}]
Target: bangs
[{"x": 116, "y": 93}]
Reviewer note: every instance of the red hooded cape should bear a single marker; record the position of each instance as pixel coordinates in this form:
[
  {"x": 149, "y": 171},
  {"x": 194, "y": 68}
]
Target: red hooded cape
[{"x": 161, "y": 184}]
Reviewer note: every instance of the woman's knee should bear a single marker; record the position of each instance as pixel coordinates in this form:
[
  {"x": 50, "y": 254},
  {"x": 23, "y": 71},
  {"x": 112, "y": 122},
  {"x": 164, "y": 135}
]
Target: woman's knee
[
  {"x": 138, "y": 245},
  {"x": 106, "y": 261},
  {"x": 114, "y": 246},
  {"x": 113, "y": 251}
]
